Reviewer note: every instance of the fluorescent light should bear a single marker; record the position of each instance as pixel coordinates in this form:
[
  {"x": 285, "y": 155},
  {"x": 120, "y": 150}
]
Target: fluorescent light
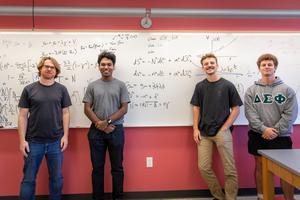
[
  {"x": 267, "y": 33},
  {"x": 26, "y": 33},
  {"x": 188, "y": 33},
  {"x": 94, "y": 33}
]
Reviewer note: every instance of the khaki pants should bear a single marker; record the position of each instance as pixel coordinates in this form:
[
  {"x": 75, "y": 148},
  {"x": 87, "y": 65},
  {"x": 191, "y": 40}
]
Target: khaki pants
[{"x": 223, "y": 141}]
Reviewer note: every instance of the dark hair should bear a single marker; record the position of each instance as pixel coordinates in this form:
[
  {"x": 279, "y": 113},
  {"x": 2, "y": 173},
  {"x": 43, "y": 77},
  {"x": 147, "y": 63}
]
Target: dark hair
[
  {"x": 208, "y": 55},
  {"x": 106, "y": 54},
  {"x": 53, "y": 60},
  {"x": 267, "y": 56}
]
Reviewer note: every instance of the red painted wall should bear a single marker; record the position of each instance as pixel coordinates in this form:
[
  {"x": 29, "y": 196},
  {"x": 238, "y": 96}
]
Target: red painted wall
[{"x": 173, "y": 150}]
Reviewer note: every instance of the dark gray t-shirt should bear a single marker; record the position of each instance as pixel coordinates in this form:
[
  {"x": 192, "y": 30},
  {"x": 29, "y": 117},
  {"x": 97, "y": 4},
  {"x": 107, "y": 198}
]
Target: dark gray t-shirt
[
  {"x": 45, "y": 105},
  {"x": 106, "y": 98},
  {"x": 215, "y": 100}
]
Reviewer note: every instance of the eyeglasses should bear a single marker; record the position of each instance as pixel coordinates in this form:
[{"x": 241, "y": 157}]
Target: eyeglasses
[{"x": 49, "y": 67}]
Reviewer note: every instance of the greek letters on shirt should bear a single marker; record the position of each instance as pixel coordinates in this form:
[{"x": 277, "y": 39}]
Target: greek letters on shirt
[{"x": 267, "y": 98}]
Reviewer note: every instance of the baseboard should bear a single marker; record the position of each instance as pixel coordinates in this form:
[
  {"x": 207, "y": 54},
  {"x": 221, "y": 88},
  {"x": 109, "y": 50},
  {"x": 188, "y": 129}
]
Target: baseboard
[{"x": 151, "y": 194}]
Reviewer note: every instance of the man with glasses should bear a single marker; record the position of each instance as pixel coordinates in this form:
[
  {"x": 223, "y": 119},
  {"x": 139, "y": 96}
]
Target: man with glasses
[{"x": 43, "y": 129}]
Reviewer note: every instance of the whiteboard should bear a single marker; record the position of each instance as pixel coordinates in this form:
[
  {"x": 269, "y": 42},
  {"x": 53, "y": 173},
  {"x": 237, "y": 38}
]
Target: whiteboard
[{"x": 160, "y": 69}]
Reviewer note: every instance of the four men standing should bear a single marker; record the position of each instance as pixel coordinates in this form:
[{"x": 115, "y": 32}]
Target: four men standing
[{"x": 270, "y": 107}]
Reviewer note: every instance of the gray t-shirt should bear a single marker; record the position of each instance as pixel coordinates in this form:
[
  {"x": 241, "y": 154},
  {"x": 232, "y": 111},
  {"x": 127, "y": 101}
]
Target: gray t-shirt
[{"x": 106, "y": 98}]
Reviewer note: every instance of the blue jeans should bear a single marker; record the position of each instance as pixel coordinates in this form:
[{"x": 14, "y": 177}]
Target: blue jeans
[
  {"x": 54, "y": 158},
  {"x": 99, "y": 143}
]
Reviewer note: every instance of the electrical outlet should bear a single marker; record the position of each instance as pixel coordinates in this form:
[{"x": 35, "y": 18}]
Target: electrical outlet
[{"x": 149, "y": 161}]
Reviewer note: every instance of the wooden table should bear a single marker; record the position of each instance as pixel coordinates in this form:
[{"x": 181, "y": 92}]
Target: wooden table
[{"x": 284, "y": 163}]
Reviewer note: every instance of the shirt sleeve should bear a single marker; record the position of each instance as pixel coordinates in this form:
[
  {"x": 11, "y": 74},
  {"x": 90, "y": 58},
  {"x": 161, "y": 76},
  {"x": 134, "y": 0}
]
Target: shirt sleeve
[
  {"x": 66, "y": 100},
  {"x": 289, "y": 113},
  {"x": 24, "y": 101},
  {"x": 124, "y": 94},
  {"x": 88, "y": 96},
  {"x": 235, "y": 99},
  {"x": 195, "y": 101},
  {"x": 251, "y": 113}
]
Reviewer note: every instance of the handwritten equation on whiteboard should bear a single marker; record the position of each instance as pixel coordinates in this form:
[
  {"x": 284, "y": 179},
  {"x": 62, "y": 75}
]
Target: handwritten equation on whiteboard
[{"x": 160, "y": 70}]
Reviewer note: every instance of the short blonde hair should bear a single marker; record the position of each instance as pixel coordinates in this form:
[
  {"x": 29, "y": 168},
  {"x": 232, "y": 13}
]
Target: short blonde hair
[
  {"x": 53, "y": 60},
  {"x": 208, "y": 55}
]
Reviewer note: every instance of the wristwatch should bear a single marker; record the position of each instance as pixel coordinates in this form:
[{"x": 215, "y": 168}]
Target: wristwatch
[{"x": 109, "y": 121}]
